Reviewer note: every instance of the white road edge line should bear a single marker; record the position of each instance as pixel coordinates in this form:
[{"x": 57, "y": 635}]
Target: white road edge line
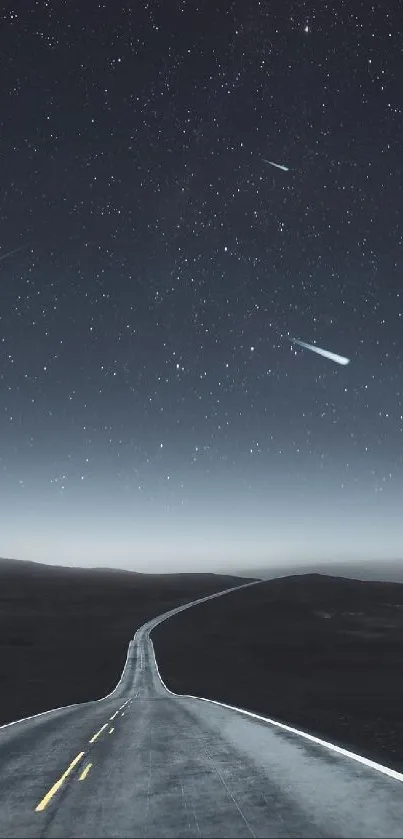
[{"x": 371, "y": 764}]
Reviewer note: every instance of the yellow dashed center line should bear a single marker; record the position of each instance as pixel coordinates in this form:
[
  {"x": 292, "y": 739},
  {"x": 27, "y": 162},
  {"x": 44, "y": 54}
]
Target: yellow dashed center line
[
  {"x": 98, "y": 733},
  {"x": 45, "y": 801},
  {"x": 119, "y": 709},
  {"x": 85, "y": 771}
]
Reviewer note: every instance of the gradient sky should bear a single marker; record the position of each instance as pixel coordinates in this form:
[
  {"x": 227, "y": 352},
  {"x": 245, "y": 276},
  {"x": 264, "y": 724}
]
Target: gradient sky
[{"x": 153, "y": 414}]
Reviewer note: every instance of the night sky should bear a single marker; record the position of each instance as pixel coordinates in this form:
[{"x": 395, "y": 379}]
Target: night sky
[{"x": 153, "y": 413}]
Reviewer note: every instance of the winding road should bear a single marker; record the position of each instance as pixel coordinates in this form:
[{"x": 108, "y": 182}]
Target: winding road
[{"x": 144, "y": 762}]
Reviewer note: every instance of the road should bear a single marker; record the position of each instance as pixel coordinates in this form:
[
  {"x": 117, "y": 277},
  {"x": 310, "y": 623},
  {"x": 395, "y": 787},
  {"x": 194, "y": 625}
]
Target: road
[{"x": 145, "y": 763}]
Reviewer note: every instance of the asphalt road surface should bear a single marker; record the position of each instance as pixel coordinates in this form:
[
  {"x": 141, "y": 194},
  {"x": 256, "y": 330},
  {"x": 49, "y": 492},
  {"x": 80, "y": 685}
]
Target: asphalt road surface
[{"x": 146, "y": 763}]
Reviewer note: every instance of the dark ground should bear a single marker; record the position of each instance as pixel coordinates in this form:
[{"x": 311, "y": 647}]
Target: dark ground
[
  {"x": 64, "y": 632},
  {"x": 322, "y": 653}
]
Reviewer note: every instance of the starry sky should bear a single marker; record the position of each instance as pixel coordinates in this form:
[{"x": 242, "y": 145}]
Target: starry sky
[{"x": 153, "y": 413}]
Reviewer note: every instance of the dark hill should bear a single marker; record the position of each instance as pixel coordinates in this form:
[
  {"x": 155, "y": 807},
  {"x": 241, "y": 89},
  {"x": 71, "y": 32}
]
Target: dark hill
[
  {"x": 322, "y": 653},
  {"x": 64, "y": 632}
]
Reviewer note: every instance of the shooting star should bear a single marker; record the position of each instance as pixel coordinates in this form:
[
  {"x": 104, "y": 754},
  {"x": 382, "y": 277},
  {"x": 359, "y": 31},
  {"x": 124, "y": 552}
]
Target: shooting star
[
  {"x": 10, "y": 253},
  {"x": 277, "y": 165},
  {"x": 339, "y": 359}
]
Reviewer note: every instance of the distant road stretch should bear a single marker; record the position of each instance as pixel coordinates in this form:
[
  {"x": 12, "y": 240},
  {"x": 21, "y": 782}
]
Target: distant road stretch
[{"x": 144, "y": 762}]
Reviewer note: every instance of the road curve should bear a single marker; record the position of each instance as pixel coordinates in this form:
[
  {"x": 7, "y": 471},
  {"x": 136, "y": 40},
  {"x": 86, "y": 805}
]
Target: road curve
[{"x": 144, "y": 762}]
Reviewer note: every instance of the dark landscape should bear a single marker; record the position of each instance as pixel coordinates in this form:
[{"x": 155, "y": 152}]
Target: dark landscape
[
  {"x": 319, "y": 652},
  {"x": 64, "y": 632},
  {"x": 390, "y": 570},
  {"x": 322, "y": 653}
]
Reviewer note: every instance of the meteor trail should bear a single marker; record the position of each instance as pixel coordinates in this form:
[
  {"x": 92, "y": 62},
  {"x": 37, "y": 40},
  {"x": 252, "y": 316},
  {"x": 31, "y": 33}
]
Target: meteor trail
[
  {"x": 10, "y": 253},
  {"x": 339, "y": 359},
  {"x": 277, "y": 165}
]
